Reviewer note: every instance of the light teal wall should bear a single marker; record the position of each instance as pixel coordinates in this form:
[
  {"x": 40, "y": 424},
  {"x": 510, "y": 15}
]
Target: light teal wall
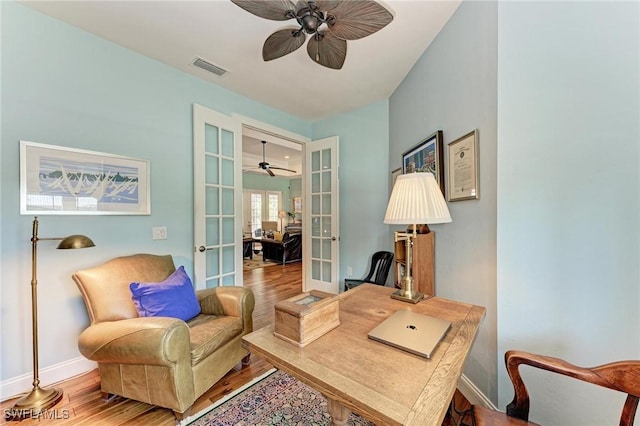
[
  {"x": 453, "y": 87},
  {"x": 266, "y": 183},
  {"x": 63, "y": 86},
  {"x": 364, "y": 183},
  {"x": 296, "y": 187},
  {"x": 569, "y": 203},
  {"x": 295, "y": 191}
]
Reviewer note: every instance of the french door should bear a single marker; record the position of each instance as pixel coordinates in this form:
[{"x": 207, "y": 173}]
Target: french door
[
  {"x": 217, "y": 148},
  {"x": 321, "y": 250},
  {"x": 217, "y": 142},
  {"x": 259, "y": 206}
]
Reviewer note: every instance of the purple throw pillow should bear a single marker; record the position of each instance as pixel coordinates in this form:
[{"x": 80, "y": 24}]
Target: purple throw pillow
[{"x": 174, "y": 297}]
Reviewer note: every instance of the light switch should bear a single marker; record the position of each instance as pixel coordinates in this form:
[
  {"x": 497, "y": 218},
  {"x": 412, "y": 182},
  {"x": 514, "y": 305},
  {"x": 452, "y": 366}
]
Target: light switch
[{"x": 159, "y": 232}]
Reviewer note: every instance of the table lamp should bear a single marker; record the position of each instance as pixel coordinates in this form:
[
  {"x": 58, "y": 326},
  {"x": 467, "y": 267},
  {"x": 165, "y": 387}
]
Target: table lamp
[
  {"x": 40, "y": 399},
  {"x": 416, "y": 199}
]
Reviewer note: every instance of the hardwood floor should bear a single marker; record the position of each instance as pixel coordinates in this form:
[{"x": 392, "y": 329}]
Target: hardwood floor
[{"x": 82, "y": 404}]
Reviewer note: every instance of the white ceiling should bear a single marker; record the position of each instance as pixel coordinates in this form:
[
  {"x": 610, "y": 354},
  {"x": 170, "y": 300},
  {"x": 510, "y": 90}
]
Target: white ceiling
[{"x": 177, "y": 32}]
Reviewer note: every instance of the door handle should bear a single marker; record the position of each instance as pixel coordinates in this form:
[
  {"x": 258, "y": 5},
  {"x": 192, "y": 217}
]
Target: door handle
[
  {"x": 202, "y": 249},
  {"x": 333, "y": 238}
]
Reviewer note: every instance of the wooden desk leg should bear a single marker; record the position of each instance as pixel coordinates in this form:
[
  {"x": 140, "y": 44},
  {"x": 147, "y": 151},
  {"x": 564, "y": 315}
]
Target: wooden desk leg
[{"x": 339, "y": 413}]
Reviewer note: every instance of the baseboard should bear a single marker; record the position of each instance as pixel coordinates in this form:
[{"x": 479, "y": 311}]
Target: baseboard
[
  {"x": 13, "y": 387},
  {"x": 473, "y": 394}
]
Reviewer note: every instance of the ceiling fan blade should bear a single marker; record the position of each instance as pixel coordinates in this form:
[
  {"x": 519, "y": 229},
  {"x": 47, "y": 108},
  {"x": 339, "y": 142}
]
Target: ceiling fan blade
[
  {"x": 281, "y": 43},
  {"x": 282, "y": 168},
  {"x": 325, "y": 5},
  {"x": 327, "y": 50},
  {"x": 268, "y": 170},
  {"x": 358, "y": 18},
  {"x": 276, "y": 10}
]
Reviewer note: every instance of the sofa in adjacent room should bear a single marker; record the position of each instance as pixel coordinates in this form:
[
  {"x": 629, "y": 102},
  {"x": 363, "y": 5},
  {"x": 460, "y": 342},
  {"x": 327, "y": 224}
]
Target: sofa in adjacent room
[{"x": 282, "y": 250}]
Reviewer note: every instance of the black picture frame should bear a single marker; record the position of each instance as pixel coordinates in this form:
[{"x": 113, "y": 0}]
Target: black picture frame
[{"x": 426, "y": 156}]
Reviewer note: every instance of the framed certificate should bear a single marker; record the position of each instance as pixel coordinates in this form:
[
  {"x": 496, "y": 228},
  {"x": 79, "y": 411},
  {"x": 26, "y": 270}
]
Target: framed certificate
[{"x": 463, "y": 168}]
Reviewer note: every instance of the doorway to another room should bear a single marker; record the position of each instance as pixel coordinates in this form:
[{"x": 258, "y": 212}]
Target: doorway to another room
[
  {"x": 271, "y": 204},
  {"x": 222, "y": 169}
]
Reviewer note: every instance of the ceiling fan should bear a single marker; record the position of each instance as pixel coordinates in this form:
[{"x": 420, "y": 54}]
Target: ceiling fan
[
  {"x": 329, "y": 22},
  {"x": 268, "y": 167}
]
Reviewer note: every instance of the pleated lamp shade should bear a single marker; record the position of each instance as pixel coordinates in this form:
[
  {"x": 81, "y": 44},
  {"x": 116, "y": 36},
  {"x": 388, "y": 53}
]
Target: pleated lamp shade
[{"x": 416, "y": 199}]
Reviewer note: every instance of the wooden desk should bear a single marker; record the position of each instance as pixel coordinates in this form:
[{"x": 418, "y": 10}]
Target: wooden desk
[{"x": 384, "y": 384}]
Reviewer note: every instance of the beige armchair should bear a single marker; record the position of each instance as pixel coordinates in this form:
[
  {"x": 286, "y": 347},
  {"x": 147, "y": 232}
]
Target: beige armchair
[{"x": 158, "y": 360}]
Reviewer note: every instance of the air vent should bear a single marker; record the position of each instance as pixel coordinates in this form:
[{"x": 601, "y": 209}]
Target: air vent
[{"x": 208, "y": 66}]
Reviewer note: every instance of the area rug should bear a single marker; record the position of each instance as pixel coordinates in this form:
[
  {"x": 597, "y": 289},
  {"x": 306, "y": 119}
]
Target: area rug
[
  {"x": 276, "y": 398},
  {"x": 256, "y": 262}
]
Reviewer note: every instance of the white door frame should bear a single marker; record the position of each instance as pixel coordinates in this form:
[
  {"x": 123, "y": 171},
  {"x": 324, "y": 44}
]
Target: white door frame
[{"x": 249, "y": 123}]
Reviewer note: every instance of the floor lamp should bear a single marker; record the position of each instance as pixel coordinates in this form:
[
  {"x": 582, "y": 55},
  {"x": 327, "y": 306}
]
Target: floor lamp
[
  {"x": 416, "y": 200},
  {"x": 41, "y": 398}
]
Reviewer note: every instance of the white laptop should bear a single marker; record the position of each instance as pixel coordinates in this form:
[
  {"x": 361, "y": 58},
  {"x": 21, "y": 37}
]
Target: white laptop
[{"x": 411, "y": 332}]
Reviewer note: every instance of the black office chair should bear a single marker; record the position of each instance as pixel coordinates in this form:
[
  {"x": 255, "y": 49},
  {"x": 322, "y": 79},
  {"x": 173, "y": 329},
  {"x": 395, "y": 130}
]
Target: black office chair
[{"x": 380, "y": 265}]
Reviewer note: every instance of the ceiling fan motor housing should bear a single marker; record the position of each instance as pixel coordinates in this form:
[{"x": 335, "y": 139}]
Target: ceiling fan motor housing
[{"x": 310, "y": 18}]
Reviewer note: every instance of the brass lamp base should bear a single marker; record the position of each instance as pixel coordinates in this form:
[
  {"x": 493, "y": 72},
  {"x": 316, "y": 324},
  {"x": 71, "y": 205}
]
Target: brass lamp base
[
  {"x": 35, "y": 402},
  {"x": 406, "y": 293},
  {"x": 407, "y": 297}
]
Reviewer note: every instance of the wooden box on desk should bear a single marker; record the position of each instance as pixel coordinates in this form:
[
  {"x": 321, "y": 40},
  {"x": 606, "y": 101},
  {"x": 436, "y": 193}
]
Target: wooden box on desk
[{"x": 304, "y": 318}]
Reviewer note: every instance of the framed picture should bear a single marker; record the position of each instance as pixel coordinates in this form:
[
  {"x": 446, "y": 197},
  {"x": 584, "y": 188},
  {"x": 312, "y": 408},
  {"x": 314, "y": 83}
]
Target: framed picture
[
  {"x": 463, "y": 168},
  {"x": 297, "y": 204},
  {"x": 394, "y": 175},
  {"x": 67, "y": 181},
  {"x": 427, "y": 156}
]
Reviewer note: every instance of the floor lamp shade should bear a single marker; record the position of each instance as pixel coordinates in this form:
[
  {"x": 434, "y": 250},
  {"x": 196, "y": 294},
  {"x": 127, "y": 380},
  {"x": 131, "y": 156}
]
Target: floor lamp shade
[
  {"x": 40, "y": 399},
  {"x": 416, "y": 199}
]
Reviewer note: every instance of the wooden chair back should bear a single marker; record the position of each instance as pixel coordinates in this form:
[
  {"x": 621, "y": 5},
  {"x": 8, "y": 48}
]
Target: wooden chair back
[{"x": 622, "y": 376}]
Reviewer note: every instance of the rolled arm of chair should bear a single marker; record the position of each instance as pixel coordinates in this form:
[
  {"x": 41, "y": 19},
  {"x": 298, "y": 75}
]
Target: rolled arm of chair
[
  {"x": 231, "y": 301},
  {"x": 149, "y": 340}
]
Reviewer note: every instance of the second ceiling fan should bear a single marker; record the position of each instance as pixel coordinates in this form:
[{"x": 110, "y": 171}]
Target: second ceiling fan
[{"x": 268, "y": 167}]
